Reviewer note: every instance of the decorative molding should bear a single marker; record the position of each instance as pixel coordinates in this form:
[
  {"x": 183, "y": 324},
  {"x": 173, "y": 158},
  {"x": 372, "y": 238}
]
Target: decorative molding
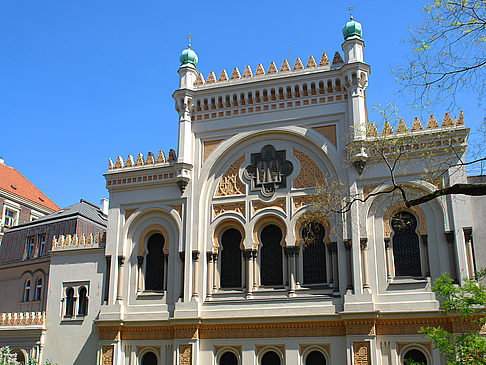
[
  {"x": 22, "y": 318},
  {"x": 259, "y": 348},
  {"x": 76, "y": 241},
  {"x": 230, "y": 183},
  {"x": 398, "y": 207},
  {"x": 257, "y": 205},
  {"x": 218, "y": 348},
  {"x": 324, "y": 347},
  {"x": 153, "y": 228},
  {"x": 209, "y": 147},
  {"x": 129, "y": 212},
  {"x": 237, "y": 207},
  {"x": 310, "y": 174},
  {"x": 153, "y": 348},
  {"x": 328, "y": 131},
  {"x": 402, "y": 345},
  {"x": 300, "y": 202},
  {"x": 185, "y": 354},
  {"x": 361, "y": 353},
  {"x": 360, "y": 327},
  {"x": 268, "y": 170}
]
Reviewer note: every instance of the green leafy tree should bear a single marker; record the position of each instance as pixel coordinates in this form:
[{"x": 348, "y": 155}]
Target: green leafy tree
[
  {"x": 9, "y": 358},
  {"x": 466, "y": 305}
]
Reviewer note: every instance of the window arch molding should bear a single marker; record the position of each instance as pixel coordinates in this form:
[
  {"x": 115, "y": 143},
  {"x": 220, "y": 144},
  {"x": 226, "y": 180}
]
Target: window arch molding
[
  {"x": 268, "y": 349},
  {"x": 301, "y": 223},
  {"x": 312, "y": 348},
  {"x": 225, "y": 349},
  {"x": 267, "y": 220},
  {"x": 147, "y": 233},
  {"x": 398, "y": 207},
  {"x": 146, "y": 350},
  {"x": 415, "y": 346},
  {"x": 222, "y": 227}
]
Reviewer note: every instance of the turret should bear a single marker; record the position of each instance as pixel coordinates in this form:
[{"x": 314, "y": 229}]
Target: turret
[
  {"x": 353, "y": 43},
  {"x": 188, "y": 72}
]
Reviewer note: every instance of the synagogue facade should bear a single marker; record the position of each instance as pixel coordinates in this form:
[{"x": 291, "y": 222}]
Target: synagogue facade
[{"x": 210, "y": 257}]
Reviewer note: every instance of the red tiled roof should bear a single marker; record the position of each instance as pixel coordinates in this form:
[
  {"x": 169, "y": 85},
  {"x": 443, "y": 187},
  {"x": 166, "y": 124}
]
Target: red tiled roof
[{"x": 12, "y": 181}]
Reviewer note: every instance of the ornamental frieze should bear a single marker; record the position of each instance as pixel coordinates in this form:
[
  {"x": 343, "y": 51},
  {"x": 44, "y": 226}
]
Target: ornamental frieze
[
  {"x": 310, "y": 174},
  {"x": 268, "y": 171},
  {"x": 230, "y": 183}
]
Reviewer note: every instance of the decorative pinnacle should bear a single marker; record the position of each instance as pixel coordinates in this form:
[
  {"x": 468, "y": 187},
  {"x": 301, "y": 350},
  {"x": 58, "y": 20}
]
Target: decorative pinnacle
[
  {"x": 189, "y": 40},
  {"x": 351, "y": 8}
]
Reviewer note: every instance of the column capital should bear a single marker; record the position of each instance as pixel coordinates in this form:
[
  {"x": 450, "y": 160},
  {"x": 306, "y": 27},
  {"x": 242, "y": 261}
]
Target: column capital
[
  {"x": 182, "y": 255},
  {"x": 347, "y": 244},
  {"x": 363, "y": 243},
  {"x": 140, "y": 260},
  {"x": 195, "y": 255},
  {"x": 121, "y": 261},
  {"x": 449, "y": 237},
  {"x": 387, "y": 242},
  {"x": 332, "y": 247},
  {"x": 209, "y": 256},
  {"x": 247, "y": 254}
]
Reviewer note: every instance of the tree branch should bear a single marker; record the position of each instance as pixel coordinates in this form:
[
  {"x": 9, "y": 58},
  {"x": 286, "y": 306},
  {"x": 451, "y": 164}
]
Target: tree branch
[{"x": 463, "y": 189}]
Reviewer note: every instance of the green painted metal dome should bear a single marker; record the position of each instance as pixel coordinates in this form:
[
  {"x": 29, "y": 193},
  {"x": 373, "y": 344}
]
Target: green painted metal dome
[
  {"x": 188, "y": 57},
  {"x": 352, "y": 30}
]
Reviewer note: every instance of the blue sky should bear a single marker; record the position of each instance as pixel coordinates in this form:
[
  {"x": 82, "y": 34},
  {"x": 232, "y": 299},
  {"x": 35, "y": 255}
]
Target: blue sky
[{"x": 84, "y": 81}]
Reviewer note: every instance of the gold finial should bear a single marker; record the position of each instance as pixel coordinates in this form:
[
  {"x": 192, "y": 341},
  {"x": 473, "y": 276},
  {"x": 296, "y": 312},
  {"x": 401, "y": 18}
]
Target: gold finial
[
  {"x": 189, "y": 40},
  {"x": 351, "y": 8}
]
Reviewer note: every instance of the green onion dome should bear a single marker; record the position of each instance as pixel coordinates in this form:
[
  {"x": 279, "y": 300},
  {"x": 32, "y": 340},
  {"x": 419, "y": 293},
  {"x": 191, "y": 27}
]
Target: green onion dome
[
  {"x": 188, "y": 57},
  {"x": 352, "y": 30}
]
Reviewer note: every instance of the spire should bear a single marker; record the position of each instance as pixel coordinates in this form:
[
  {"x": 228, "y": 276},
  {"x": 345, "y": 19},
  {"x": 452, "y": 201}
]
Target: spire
[{"x": 189, "y": 37}]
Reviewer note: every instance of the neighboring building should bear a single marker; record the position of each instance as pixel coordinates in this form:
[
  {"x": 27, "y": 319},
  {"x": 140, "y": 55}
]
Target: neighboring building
[
  {"x": 204, "y": 262},
  {"x": 25, "y": 264},
  {"x": 20, "y": 200}
]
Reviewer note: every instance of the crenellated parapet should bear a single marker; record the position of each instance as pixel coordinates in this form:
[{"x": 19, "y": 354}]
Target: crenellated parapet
[
  {"x": 22, "y": 318},
  {"x": 76, "y": 241},
  {"x": 435, "y": 138},
  {"x": 139, "y": 161},
  {"x": 272, "y": 70}
]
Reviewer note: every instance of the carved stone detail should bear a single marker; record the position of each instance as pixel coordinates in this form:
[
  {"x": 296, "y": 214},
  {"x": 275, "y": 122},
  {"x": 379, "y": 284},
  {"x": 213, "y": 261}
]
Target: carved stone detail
[
  {"x": 257, "y": 205},
  {"x": 259, "y": 348},
  {"x": 217, "y": 348},
  {"x": 268, "y": 170},
  {"x": 310, "y": 174},
  {"x": 304, "y": 346},
  {"x": 238, "y": 207},
  {"x": 185, "y": 354},
  {"x": 300, "y": 201},
  {"x": 361, "y": 353},
  {"x": 107, "y": 355},
  {"x": 230, "y": 183},
  {"x": 401, "y": 345},
  {"x": 367, "y": 189},
  {"x": 178, "y": 209}
]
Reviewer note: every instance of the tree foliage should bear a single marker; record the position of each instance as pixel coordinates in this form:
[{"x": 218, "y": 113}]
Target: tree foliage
[
  {"x": 448, "y": 51},
  {"x": 466, "y": 305},
  {"x": 9, "y": 358}
]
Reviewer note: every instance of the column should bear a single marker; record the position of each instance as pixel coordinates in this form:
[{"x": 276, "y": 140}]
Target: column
[
  {"x": 388, "y": 259},
  {"x": 247, "y": 255},
  {"x": 471, "y": 264},
  {"x": 425, "y": 243},
  {"x": 195, "y": 271},
  {"x": 452, "y": 255},
  {"x": 215, "y": 272},
  {"x": 182, "y": 255},
  {"x": 330, "y": 266},
  {"x": 364, "y": 262},
  {"x": 335, "y": 272},
  {"x": 209, "y": 288},
  {"x": 140, "y": 273},
  {"x": 297, "y": 268},
  {"x": 293, "y": 252},
  {"x": 349, "y": 271},
  {"x": 119, "y": 289},
  {"x": 254, "y": 255},
  {"x": 107, "y": 280},
  {"x": 166, "y": 270}
]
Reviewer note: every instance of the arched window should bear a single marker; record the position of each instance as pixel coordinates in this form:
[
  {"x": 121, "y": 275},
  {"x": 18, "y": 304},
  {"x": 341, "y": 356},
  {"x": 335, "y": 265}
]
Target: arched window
[
  {"x": 415, "y": 356},
  {"x": 38, "y": 289},
  {"x": 314, "y": 253},
  {"x": 270, "y": 358},
  {"x": 406, "y": 249},
  {"x": 154, "y": 269},
  {"x": 149, "y": 358},
  {"x": 69, "y": 302},
  {"x": 228, "y": 358},
  {"x": 83, "y": 301},
  {"x": 315, "y": 358},
  {"x": 26, "y": 291},
  {"x": 271, "y": 256},
  {"x": 231, "y": 259},
  {"x": 20, "y": 355}
]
